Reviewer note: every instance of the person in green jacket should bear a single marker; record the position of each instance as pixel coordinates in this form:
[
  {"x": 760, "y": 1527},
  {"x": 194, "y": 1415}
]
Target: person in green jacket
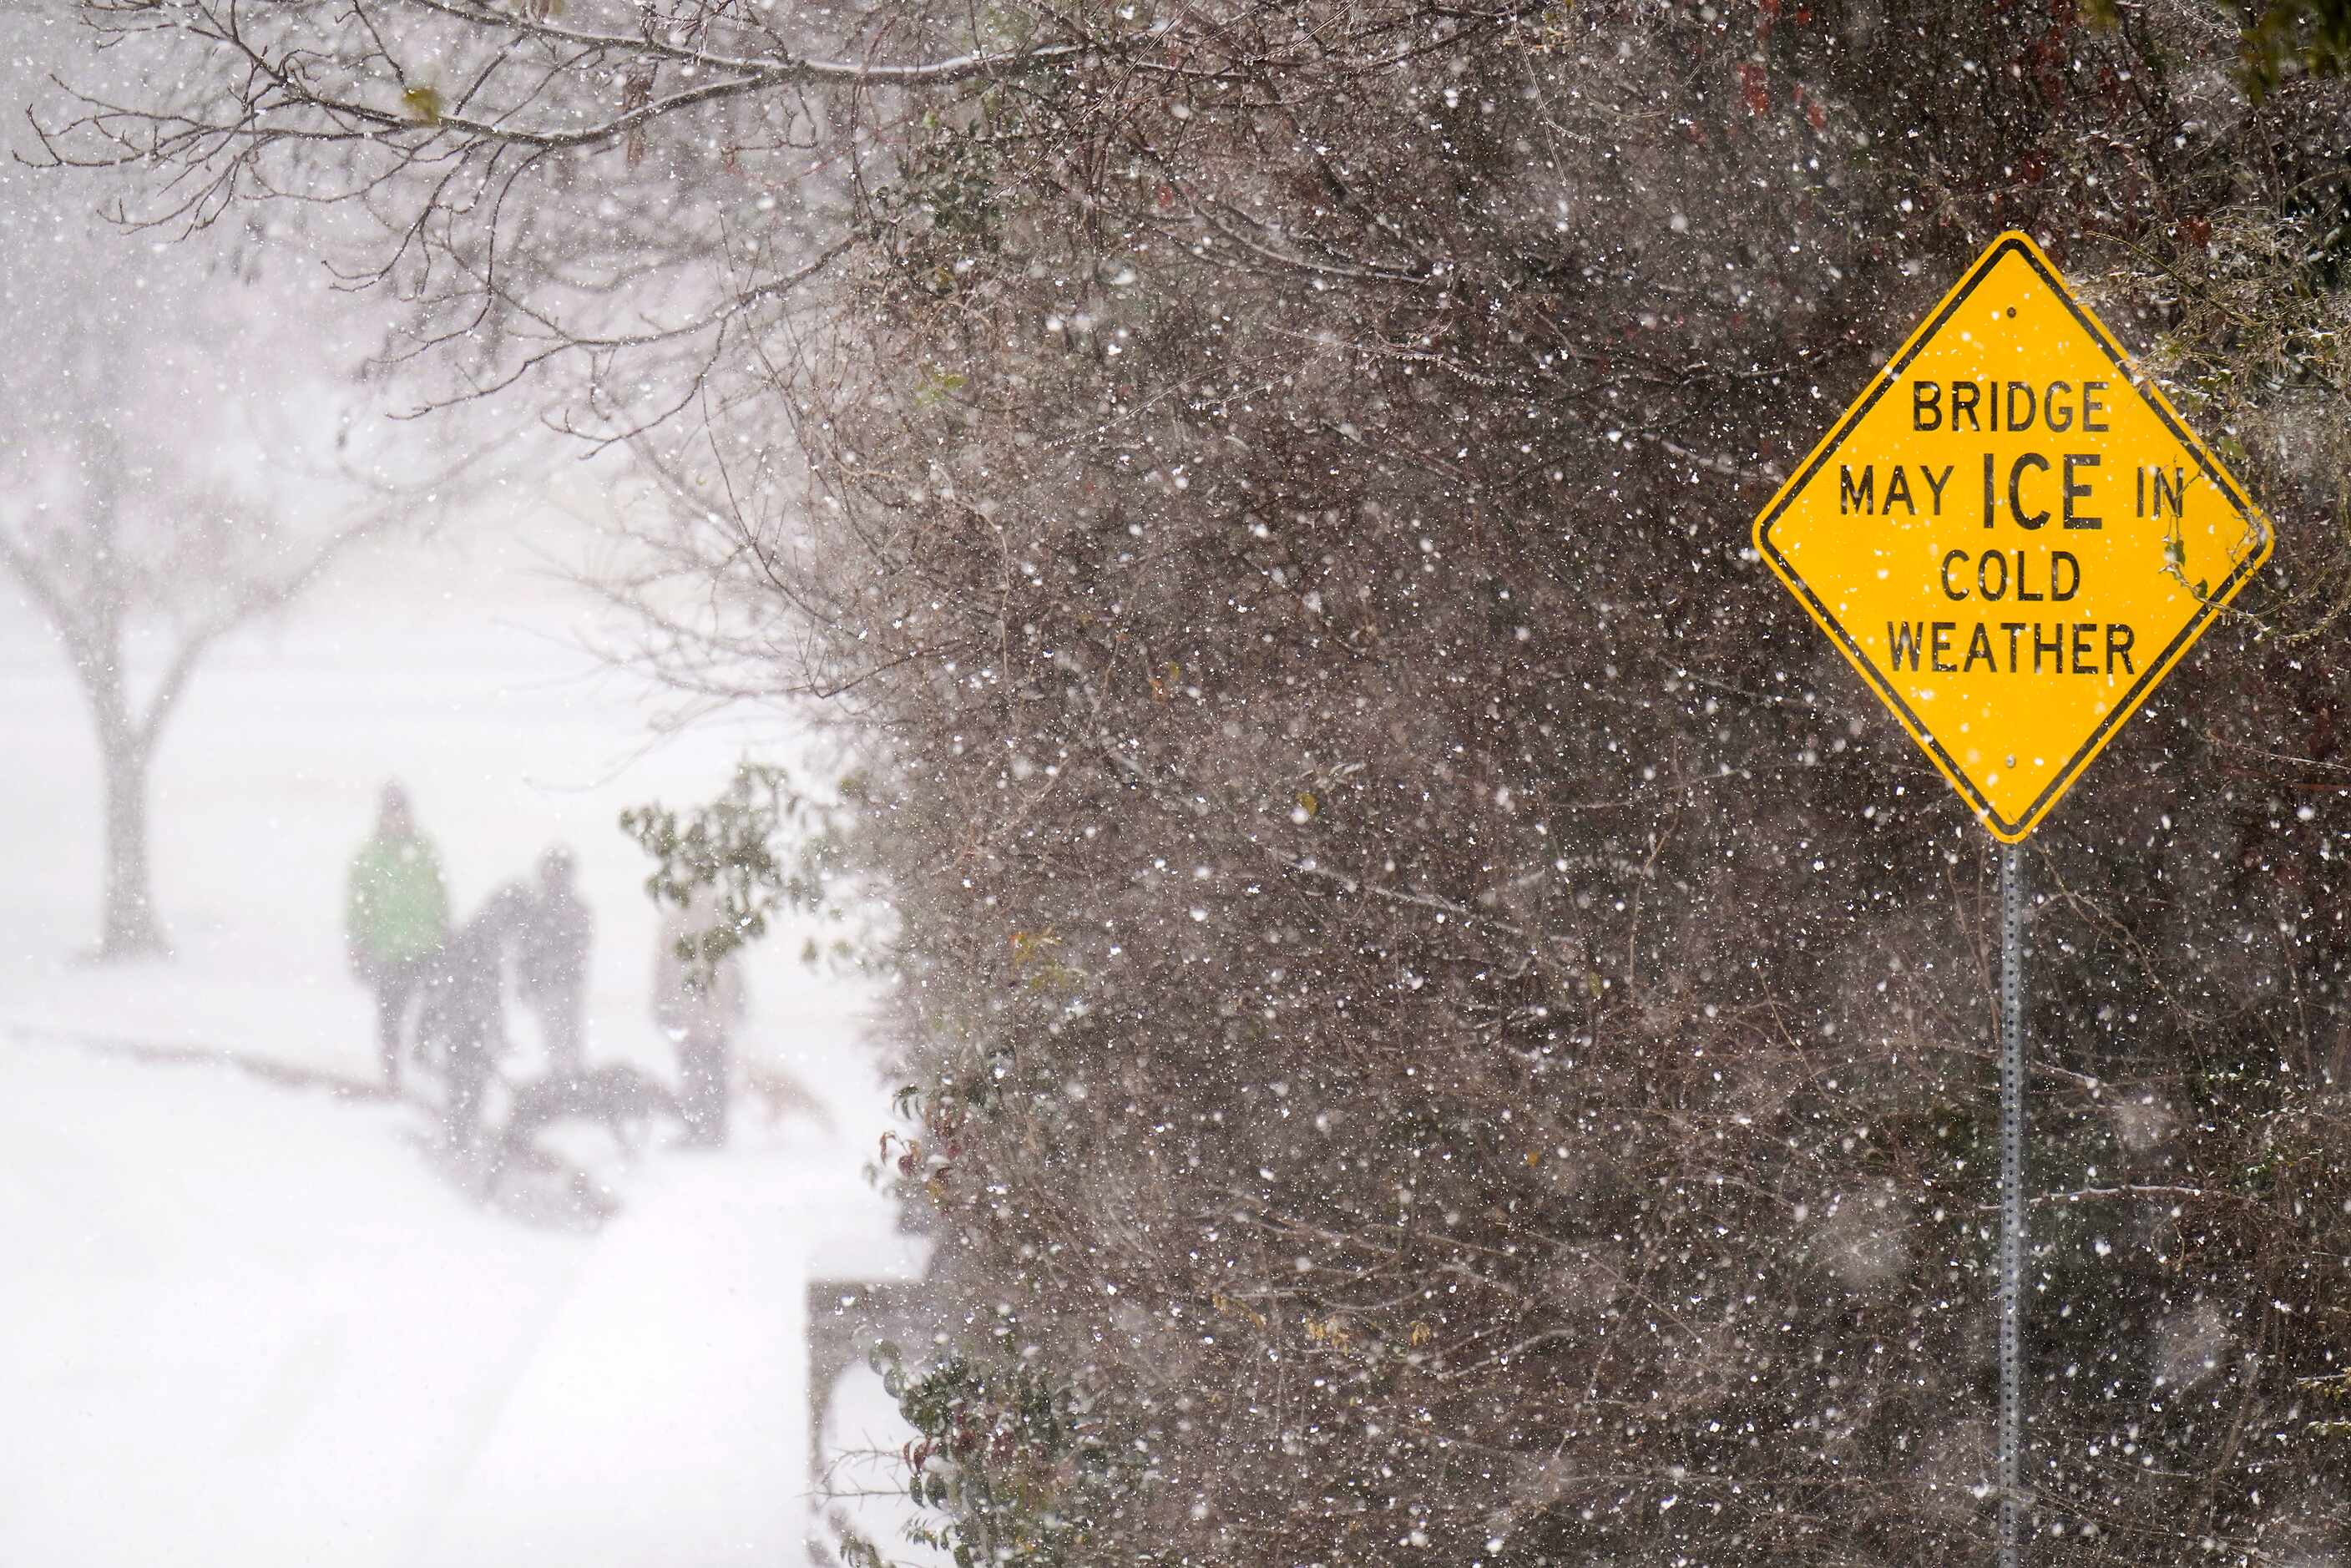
[{"x": 395, "y": 920}]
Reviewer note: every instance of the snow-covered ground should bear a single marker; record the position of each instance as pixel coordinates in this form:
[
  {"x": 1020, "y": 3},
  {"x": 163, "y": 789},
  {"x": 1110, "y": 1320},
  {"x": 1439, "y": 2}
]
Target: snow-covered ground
[{"x": 250, "y": 1320}]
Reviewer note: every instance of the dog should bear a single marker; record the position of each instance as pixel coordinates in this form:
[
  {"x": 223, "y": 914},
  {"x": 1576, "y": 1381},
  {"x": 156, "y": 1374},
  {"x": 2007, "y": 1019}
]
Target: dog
[
  {"x": 781, "y": 1094},
  {"x": 621, "y": 1097}
]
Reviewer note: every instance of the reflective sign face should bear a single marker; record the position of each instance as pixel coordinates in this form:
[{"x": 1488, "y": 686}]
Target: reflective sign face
[{"x": 2012, "y": 536}]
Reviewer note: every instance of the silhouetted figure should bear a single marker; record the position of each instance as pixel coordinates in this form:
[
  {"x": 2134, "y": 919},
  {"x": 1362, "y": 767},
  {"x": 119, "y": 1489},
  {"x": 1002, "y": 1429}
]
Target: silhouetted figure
[
  {"x": 463, "y": 1027},
  {"x": 552, "y": 967},
  {"x": 395, "y": 918},
  {"x": 697, "y": 1003}
]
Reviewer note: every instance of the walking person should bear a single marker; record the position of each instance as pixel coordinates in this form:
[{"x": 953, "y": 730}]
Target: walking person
[
  {"x": 551, "y": 967},
  {"x": 395, "y": 919},
  {"x": 696, "y": 1002},
  {"x": 463, "y": 1022}
]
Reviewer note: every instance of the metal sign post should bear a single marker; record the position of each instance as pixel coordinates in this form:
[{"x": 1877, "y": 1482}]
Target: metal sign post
[
  {"x": 2012, "y": 1205},
  {"x": 2013, "y": 537}
]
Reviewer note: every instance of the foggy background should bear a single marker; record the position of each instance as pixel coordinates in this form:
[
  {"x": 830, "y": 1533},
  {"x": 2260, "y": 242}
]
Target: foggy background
[{"x": 249, "y": 1317}]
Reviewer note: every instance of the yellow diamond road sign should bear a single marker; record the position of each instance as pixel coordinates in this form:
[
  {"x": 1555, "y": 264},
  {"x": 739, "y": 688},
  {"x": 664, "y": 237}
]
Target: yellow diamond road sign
[{"x": 2012, "y": 536}]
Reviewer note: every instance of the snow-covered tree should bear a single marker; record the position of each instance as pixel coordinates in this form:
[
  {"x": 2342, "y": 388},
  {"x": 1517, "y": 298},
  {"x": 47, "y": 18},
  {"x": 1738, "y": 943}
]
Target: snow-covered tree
[{"x": 185, "y": 444}]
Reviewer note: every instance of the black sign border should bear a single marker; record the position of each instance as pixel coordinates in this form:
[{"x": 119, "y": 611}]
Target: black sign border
[{"x": 1884, "y": 379}]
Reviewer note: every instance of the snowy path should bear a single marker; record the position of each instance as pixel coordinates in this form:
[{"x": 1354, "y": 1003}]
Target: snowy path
[
  {"x": 243, "y": 1324},
  {"x": 243, "y": 1319},
  {"x": 251, "y": 1324}
]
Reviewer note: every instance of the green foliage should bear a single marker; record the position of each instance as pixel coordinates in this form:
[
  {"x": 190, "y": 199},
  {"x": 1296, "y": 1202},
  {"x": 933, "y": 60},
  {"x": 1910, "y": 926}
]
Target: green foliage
[
  {"x": 761, "y": 848},
  {"x": 423, "y": 102},
  {"x": 1005, "y": 1461},
  {"x": 2334, "y": 1389},
  {"x": 2284, "y": 38},
  {"x": 2258, "y": 339},
  {"x": 940, "y": 218}
]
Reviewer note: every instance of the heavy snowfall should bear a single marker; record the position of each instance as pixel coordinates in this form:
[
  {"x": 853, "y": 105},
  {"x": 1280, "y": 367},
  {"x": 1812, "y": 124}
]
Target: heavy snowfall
[{"x": 1064, "y": 784}]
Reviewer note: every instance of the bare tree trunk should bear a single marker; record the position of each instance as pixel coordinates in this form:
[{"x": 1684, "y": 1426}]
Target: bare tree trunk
[{"x": 130, "y": 927}]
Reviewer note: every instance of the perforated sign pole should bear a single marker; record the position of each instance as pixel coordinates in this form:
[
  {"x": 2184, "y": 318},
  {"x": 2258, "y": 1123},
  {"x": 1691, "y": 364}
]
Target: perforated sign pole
[
  {"x": 2013, "y": 537},
  {"x": 2012, "y": 1205}
]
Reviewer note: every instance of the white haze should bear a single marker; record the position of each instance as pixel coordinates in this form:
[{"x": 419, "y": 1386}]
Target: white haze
[{"x": 248, "y": 1321}]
